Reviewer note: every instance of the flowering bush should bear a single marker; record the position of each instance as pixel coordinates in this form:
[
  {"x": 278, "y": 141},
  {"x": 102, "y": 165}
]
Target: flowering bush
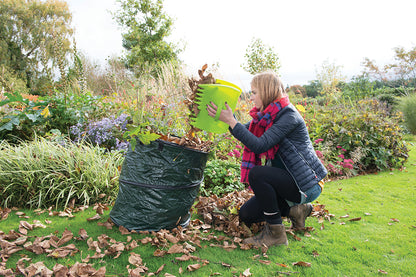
[
  {"x": 365, "y": 136},
  {"x": 106, "y": 132},
  {"x": 335, "y": 162}
]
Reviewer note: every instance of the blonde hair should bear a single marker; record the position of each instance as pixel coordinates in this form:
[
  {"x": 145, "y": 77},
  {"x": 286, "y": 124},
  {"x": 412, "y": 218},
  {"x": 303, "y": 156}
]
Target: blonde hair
[{"x": 269, "y": 86}]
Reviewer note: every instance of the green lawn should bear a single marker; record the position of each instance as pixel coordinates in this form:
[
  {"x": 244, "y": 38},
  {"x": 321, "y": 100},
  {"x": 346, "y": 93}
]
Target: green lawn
[{"x": 382, "y": 242}]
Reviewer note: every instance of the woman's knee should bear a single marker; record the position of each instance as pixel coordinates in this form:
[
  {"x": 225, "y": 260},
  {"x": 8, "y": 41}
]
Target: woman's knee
[{"x": 255, "y": 174}]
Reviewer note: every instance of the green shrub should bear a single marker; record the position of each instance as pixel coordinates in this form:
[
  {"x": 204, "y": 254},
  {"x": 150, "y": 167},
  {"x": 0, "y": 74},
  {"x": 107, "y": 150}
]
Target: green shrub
[
  {"x": 363, "y": 135},
  {"x": 42, "y": 173},
  {"x": 221, "y": 177},
  {"x": 27, "y": 118},
  {"x": 408, "y": 107}
]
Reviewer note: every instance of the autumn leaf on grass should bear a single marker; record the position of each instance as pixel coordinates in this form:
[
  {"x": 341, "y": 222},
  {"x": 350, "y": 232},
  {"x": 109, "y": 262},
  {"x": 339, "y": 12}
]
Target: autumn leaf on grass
[
  {"x": 95, "y": 217},
  {"x": 160, "y": 269},
  {"x": 355, "y": 219},
  {"x": 66, "y": 236},
  {"x": 247, "y": 272},
  {"x": 304, "y": 264},
  {"x": 159, "y": 253},
  {"x": 135, "y": 259},
  {"x": 82, "y": 269},
  {"x": 176, "y": 248},
  {"x": 63, "y": 251},
  {"x": 82, "y": 234},
  {"x": 24, "y": 226},
  {"x": 193, "y": 267},
  {"x": 60, "y": 270},
  {"x": 265, "y": 262},
  {"x": 382, "y": 271},
  {"x": 123, "y": 230},
  {"x": 39, "y": 267}
]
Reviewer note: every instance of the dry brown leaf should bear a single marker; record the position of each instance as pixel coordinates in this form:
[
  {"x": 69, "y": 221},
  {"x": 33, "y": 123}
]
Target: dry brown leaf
[
  {"x": 66, "y": 236},
  {"x": 160, "y": 269},
  {"x": 106, "y": 224},
  {"x": 159, "y": 253},
  {"x": 282, "y": 265},
  {"x": 355, "y": 219},
  {"x": 304, "y": 264},
  {"x": 60, "y": 270},
  {"x": 247, "y": 272},
  {"x": 382, "y": 271},
  {"x": 82, "y": 269},
  {"x": 193, "y": 267},
  {"x": 265, "y": 262},
  {"x": 63, "y": 251},
  {"x": 82, "y": 234},
  {"x": 95, "y": 217},
  {"x": 135, "y": 259},
  {"x": 38, "y": 269},
  {"x": 123, "y": 230},
  {"x": 176, "y": 248},
  {"x": 4, "y": 213}
]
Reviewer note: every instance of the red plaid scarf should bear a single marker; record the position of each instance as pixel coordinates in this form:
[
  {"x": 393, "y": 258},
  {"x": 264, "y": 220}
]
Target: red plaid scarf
[{"x": 260, "y": 123}]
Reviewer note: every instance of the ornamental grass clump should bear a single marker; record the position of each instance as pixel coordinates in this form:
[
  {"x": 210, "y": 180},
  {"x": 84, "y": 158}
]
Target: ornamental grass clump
[
  {"x": 408, "y": 107},
  {"x": 42, "y": 173}
]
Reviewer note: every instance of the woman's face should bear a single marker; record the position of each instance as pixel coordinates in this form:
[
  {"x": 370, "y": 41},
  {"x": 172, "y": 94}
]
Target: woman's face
[{"x": 255, "y": 98}]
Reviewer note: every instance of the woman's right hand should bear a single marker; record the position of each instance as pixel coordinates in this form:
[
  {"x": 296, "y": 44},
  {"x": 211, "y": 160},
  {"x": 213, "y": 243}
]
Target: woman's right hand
[{"x": 226, "y": 115}]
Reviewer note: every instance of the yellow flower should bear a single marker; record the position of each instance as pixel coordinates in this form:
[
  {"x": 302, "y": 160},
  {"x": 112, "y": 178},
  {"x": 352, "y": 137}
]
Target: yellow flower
[
  {"x": 46, "y": 112},
  {"x": 300, "y": 108}
]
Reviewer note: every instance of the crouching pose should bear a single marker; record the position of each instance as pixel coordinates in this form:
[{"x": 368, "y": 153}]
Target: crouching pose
[{"x": 290, "y": 176}]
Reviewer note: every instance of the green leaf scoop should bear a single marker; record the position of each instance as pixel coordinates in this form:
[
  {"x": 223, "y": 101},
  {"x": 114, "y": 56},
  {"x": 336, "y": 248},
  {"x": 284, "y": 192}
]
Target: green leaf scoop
[{"x": 218, "y": 93}]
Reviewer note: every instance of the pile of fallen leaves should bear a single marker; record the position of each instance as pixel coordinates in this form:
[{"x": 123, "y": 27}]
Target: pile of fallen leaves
[{"x": 219, "y": 214}]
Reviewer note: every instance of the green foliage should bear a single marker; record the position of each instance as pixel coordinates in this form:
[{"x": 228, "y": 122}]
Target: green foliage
[
  {"x": 313, "y": 89},
  {"x": 260, "y": 57},
  {"x": 28, "y": 30},
  {"x": 60, "y": 111},
  {"x": 358, "y": 88},
  {"x": 221, "y": 177},
  {"x": 43, "y": 173},
  {"x": 146, "y": 29},
  {"x": 369, "y": 134},
  {"x": 408, "y": 108},
  {"x": 142, "y": 133}
]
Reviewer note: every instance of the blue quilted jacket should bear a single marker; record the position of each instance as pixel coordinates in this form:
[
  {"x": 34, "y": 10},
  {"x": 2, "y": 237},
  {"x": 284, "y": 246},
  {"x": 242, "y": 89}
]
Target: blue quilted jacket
[{"x": 295, "y": 154}]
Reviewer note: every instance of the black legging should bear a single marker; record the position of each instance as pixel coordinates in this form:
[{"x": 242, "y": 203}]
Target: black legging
[{"x": 272, "y": 186}]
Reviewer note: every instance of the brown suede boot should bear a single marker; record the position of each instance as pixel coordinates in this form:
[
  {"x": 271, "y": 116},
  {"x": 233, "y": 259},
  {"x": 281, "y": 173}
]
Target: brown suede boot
[
  {"x": 272, "y": 234},
  {"x": 298, "y": 215}
]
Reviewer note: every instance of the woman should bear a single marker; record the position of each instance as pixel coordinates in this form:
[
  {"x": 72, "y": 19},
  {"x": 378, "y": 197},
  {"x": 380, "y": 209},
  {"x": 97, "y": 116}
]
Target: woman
[{"x": 292, "y": 175}]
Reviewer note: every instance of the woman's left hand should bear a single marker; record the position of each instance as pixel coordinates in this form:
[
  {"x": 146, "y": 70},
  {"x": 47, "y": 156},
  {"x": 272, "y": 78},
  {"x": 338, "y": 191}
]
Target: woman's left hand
[{"x": 226, "y": 115}]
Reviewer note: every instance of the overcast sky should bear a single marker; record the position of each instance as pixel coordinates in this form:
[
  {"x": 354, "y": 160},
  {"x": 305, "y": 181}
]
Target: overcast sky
[{"x": 304, "y": 33}]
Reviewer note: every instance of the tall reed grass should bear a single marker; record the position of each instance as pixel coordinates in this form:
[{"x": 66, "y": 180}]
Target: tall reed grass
[
  {"x": 408, "y": 107},
  {"x": 44, "y": 173}
]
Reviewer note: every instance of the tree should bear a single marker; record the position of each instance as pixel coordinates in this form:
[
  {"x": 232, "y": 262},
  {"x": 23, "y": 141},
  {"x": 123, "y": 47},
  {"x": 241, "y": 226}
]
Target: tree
[
  {"x": 29, "y": 32},
  {"x": 146, "y": 27},
  {"x": 329, "y": 76},
  {"x": 260, "y": 57},
  {"x": 403, "y": 70}
]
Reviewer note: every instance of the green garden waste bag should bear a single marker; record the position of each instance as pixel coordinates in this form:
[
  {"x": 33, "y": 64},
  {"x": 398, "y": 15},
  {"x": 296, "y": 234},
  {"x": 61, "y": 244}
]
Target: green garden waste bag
[{"x": 158, "y": 185}]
